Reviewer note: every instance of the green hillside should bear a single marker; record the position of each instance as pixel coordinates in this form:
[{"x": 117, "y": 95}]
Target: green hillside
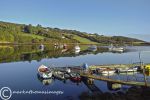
[
  {"x": 83, "y": 40},
  {"x": 21, "y": 33}
]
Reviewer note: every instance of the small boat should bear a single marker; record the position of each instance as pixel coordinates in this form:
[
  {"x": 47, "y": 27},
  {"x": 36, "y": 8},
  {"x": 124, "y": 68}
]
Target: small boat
[
  {"x": 75, "y": 77},
  {"x": 134, "y": 69},
  {"x": 116, "y": 49},
  {"x": 45, "y": 81},
  {"x": 68, "y": 70},
  {"x": 59, "y": 75},
  {"x": 77, "y": 47},
  {"x": 44, "y": 72},
  {"x": 107, "y": 71},
  {"x": 41, "y": 47},
  {"x": 65, "y": 46}
]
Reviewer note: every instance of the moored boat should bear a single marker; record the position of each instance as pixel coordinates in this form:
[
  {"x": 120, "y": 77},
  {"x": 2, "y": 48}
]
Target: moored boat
[
  {"x": 75, "y": 77},
  {"x": 77, "y": 47},
  {"x": 116, "y": 49},
  {"x": 134, "y": 69},
  {"x": 44, "y": 72},
  {"x": 59, "y": 75},
  {"x": 41, "y": 47},
  {"x": 107, "y": 71}
]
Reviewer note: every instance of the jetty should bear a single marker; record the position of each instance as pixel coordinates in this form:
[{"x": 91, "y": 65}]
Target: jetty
[
  {"x": 86, "y": 72},
  {"x": 133, "y": 83}
]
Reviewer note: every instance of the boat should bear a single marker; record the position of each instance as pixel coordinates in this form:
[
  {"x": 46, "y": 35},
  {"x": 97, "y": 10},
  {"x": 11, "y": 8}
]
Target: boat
[
  {"x": 64, "y": 46},
  {"x": 75, "y": 77},
  {"x": 77, "y": 47},
  {"x": 107, "y": 71},
  {"x": 44, "y": 72},
  {"x": 68, "y": 70},
  {"x": 41, "y": 47},
  {"x": 113, "y": 86},
  {"x": 134, "y": 69},
  {"x": 59, "y": 75},
  {"x": 45, "y": 81},
  {"x": 116, "y": 49}
]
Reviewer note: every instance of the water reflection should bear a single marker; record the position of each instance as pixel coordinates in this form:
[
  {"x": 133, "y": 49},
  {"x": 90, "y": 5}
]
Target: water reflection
[
  {"x": 45, "y": 81},
  {"x": 38, "y": 52},
  {"x": 133, "y": 93},
  {"x": 116, "y": 91}
]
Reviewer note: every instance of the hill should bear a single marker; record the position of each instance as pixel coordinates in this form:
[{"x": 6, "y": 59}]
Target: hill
[{"x": 21, "y": 33}]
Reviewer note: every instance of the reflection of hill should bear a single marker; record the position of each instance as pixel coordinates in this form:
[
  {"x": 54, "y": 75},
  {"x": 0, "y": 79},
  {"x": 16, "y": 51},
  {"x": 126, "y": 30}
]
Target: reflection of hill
[{"x": 32, "y": 52}]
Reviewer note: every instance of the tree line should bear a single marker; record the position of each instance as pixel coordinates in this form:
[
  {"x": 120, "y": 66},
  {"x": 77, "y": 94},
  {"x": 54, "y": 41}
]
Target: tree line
[{"x": 21, "y": 33}]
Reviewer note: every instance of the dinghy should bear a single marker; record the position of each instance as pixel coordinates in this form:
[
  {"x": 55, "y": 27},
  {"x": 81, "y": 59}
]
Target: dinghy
[{"x": 44, "y": 72}]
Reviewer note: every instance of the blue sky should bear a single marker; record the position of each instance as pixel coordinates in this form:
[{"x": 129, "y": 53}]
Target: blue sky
[{"x": 108, "y": 17}]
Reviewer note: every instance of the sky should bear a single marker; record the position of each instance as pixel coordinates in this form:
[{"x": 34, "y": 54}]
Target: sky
[{"x": 108, "y": 17}]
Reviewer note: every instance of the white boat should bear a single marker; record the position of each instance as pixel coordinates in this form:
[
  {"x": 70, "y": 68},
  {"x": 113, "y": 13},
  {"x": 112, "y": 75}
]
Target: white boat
[
  {"x": 41, "y": 47},
  {"x": 44, "y": 72},
  {"x": 77, "y": 51},
  {"x": 77, "y": 47},
  {"x": 47, "y": 81},
  {"x": 127, "y": 70},
  {"x": 68, "y": 70},
  {"x": 116, "y": 49},
  {"x": 107, "y": 72}
]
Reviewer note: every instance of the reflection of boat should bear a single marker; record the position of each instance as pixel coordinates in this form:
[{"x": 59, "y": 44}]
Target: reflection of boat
[
  {"x": 45, "y": 81},
  {"x": 61, "y": 46},
  {"x": 44, "y": 72},
  {"x": 77, "y": 51},
  {"x": 93, "y": 48},
  {"x": 64, "y": 50},
  {"x": 65, "y": 46},
  {"x": 116, "y": 49},
  {"x": 113, "y": 86}
]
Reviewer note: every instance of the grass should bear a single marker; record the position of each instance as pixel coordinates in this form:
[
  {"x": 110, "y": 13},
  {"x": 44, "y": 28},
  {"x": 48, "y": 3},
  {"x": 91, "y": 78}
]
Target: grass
[
  {"x": 83, "y": 40},
  {"x": 33, "y": 36}
]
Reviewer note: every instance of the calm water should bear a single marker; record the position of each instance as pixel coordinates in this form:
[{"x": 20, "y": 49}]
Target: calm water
[{"x": 18, "y": 69}]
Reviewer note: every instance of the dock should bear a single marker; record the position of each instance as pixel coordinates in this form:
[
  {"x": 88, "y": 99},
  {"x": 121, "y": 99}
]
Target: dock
[
  {"x": 132, "y": 83},
  {"x": 145, "y": 82}
]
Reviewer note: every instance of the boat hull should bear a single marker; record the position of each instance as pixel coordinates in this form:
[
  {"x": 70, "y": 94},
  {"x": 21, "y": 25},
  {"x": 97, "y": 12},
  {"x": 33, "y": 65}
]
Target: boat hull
[{"x": 44, "y": 72}]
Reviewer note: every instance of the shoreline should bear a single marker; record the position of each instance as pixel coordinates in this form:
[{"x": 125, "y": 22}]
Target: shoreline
[{"x": 8, "y": 43}]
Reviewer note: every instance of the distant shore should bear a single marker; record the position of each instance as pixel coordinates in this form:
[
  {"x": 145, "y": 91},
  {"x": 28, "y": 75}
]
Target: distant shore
[{"x": 134, "y": 44}]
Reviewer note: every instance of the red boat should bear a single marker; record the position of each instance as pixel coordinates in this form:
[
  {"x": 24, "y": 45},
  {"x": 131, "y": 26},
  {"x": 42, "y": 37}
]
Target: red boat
[{"x": 75, "y": 77}]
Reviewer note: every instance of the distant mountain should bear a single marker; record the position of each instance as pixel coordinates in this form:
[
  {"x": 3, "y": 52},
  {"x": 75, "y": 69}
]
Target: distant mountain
[{"x": 21, "y": 33}]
